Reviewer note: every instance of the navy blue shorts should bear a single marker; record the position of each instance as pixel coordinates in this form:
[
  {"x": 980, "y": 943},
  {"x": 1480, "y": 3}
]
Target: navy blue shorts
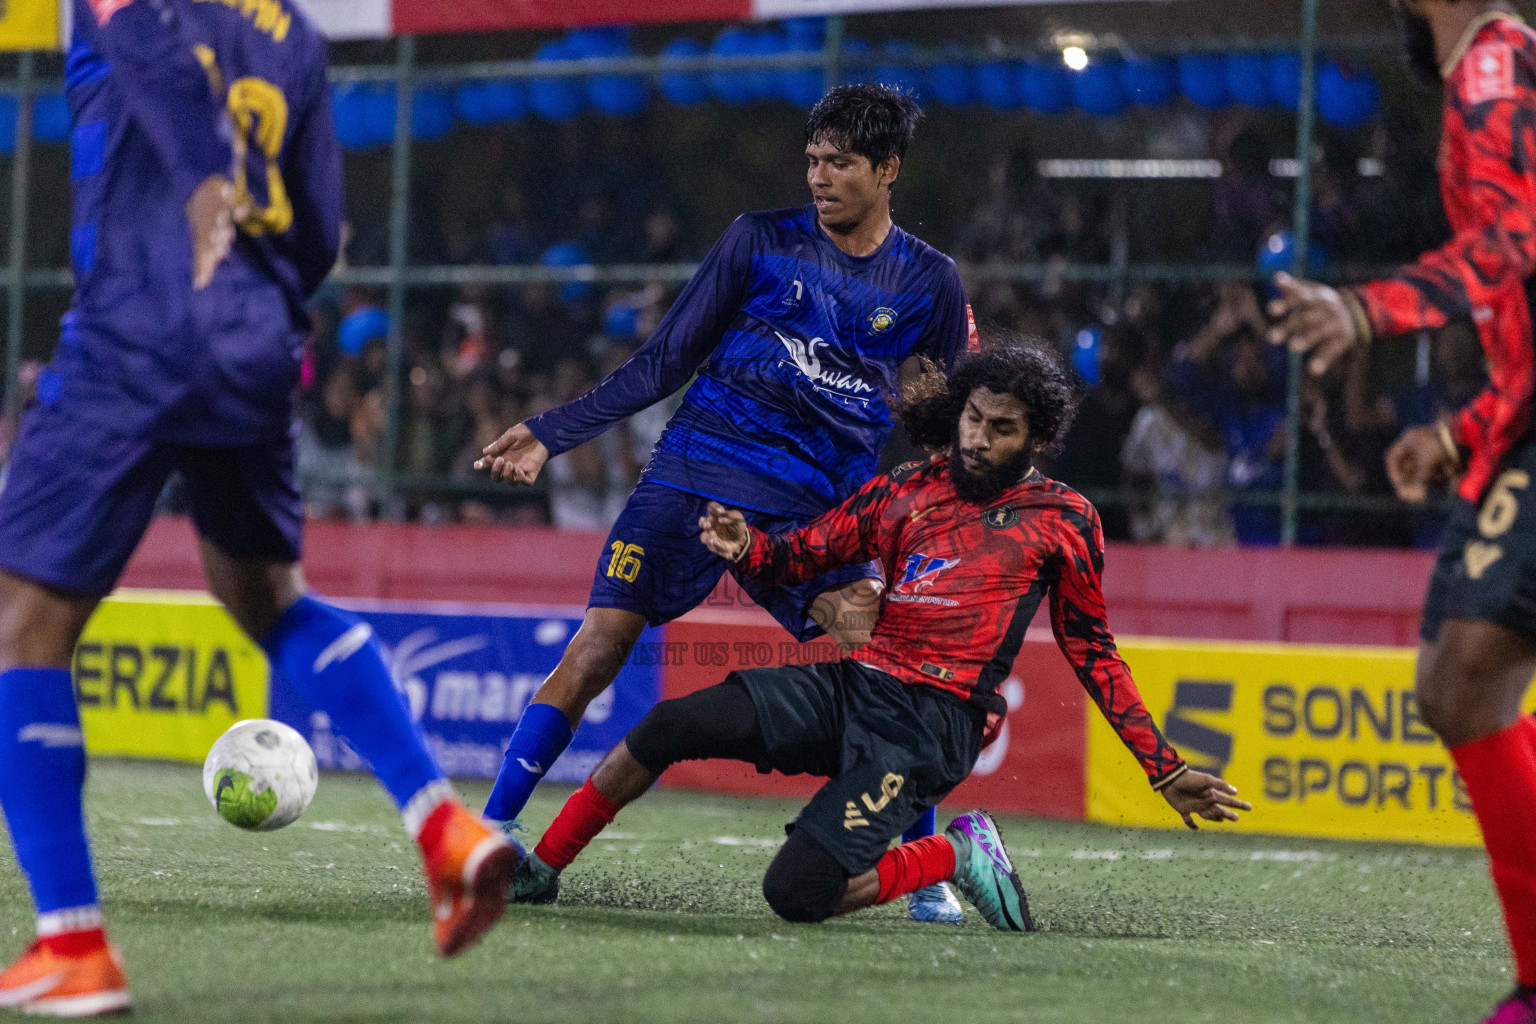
[
  {"x": 655, "y": 565},
  {"x": 78, "y": 497},
  {"x": 1486, "y": 569}
]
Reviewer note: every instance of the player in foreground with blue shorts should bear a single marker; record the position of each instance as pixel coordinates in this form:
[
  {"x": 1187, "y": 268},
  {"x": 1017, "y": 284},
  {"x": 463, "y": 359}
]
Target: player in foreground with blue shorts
[
  {"x": 181, "y": 353},
  {"x": 798, "y": 325}
]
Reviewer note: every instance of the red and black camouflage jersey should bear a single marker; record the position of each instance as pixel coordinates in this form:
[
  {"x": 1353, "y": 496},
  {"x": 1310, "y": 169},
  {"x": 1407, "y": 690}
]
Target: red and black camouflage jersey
[
  {"x": 1488, "y": 184},
  {"x": 963, "y": 584}
]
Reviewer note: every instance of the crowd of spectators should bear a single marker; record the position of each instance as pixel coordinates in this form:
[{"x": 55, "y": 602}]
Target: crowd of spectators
[
  {"x": 1182, "y": 433},
  {"x": 1181, "y": 438}
]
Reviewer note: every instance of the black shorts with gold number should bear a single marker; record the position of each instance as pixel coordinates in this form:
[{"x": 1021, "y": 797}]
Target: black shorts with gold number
[
  {"x": 1486, "y": 570},
  {"x": 890, "y": 750}
]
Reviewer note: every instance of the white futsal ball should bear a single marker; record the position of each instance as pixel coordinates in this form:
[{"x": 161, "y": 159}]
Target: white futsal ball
[{"x": 260, "y": 775}]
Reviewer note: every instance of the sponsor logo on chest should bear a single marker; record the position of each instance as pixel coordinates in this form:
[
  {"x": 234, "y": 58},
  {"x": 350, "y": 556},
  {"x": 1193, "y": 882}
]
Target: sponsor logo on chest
[{"x": 805, "y": 356}]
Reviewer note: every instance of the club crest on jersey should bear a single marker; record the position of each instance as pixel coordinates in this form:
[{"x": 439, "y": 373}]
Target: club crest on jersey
[
  {"x": 881, "y": 318},
  {"x": 921, "y": 570},
  {"x": 1000, "y": 517}
]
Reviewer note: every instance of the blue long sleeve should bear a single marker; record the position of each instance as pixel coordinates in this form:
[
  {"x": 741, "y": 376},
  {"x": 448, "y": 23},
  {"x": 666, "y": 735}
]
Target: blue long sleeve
[
  {"x": 165, "y": 86},
  {"x": 672, "y": 354},
  {"x": 312, "y": 171}
]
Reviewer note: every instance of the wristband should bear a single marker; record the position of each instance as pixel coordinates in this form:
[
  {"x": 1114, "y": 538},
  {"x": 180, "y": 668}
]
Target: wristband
[
  {"x": 1168, "y": 780},
  {"x": 1363, "y": 331},
  {"x": 1449, "y": 442}
]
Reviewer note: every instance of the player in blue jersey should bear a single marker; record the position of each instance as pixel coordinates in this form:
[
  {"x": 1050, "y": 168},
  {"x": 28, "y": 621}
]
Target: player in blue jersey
[
  {"x": 798, "y": 325},
  {"x": 180, "y": 352}
]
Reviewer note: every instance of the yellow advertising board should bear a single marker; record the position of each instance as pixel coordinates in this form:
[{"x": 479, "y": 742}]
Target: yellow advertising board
[
  {"x": 1323, "y": 741},
  {"x": 30, "y": 25},
  {"x": 163, "y": 673}
]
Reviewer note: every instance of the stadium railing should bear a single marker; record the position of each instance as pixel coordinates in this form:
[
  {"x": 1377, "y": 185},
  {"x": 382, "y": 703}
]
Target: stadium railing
[{"x": 398, "y": 275}]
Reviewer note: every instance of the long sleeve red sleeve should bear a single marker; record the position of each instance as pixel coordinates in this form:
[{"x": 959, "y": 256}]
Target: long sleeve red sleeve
[{"x": 1080, "y": 622}]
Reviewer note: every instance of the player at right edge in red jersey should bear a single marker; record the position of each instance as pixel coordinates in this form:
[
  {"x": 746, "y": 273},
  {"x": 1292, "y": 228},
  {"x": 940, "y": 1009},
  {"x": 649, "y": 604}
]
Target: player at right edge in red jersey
[{"x": 1479, "y": 624}]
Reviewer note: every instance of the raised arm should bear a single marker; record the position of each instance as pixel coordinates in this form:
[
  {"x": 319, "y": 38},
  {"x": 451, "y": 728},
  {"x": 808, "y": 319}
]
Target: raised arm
[
  {"x": 682, "y": 341},
  {"x": 855, "y": 531}
]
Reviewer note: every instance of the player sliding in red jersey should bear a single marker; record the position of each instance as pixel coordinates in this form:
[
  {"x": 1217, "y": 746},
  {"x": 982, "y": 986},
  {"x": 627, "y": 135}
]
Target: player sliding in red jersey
[
  {"x": 1479, "y": 625},
  {"x": 971, "y": 541}
]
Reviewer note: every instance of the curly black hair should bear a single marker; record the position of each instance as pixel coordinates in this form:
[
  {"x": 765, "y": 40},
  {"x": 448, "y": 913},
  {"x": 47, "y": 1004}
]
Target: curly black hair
[
  {"x": 929, "y": 406},
  {"x": 875, "y": 121}
]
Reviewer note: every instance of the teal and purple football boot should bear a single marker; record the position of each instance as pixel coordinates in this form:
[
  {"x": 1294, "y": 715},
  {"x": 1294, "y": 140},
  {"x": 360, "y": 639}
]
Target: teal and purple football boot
[{"x": 985, "y": 875}]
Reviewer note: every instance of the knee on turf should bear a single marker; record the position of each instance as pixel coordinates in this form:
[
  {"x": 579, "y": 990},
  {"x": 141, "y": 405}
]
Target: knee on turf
[{"x": 804, "y": 884}]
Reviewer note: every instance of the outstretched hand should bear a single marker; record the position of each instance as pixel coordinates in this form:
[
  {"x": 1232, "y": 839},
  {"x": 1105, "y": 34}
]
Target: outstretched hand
[
  {"x": 1208, "y": 796},
  {"x": 724, "y": 531},
  {"x": 516, "y": 457},
  {"x": 1312, "y": 319}
]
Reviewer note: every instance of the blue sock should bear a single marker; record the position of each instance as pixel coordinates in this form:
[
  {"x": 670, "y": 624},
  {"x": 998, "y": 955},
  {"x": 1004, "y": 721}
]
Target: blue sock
[
  {"x": 923, "y": 827},
  {"x": 542, "y": 735},
  {"x": 42, "y": 778},
  {"x": 331, "y": 658}
]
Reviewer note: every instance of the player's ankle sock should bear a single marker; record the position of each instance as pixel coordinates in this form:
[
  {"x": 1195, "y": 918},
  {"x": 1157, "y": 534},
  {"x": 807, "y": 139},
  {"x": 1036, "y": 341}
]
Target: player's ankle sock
[
  {"x": 75, "y": 932},
  {"x": 331, "y": 658},
  {"x": 584, "y": 815},
  {"x": 923, "y": 827},
  {"x": 915, "y": 865},
  {"x": 543, "y": 733},
  {"x": 1500, "y": 774},
  {"x": 42, "y": 776}
]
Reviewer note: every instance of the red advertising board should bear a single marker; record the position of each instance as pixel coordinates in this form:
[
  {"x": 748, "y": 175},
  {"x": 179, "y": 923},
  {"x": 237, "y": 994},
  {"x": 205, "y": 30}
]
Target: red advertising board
[{"x": 1037, "y": 765}]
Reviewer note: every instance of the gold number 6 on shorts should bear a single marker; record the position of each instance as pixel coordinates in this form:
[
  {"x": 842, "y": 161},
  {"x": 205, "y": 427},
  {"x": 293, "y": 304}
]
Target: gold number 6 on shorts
[{"x": 1502, "y": 506}]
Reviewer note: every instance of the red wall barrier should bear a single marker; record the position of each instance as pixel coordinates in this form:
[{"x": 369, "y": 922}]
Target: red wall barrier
[
  {"x": 1301, "y": 595},
  {"x": 1036, "y": 766}
]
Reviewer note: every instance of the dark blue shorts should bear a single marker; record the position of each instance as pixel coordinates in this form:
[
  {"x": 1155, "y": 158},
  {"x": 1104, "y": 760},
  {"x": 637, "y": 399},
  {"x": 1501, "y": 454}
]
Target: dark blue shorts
[
  {"x": 1486, "y": 569},
  {"x": 655, "y": 565},
  {"x": 78, "y": 497}
]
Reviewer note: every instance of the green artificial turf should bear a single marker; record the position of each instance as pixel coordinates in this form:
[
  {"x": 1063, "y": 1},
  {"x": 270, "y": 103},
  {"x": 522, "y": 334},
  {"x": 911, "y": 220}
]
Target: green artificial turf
[{"x": 662, "y": 920}]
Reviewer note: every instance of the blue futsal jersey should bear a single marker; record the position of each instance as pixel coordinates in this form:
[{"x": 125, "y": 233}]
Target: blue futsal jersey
[
  {"x": 163, "y": 94},
  {"x": 151, "y": 377},
  {"x": 796, "y": 346}
]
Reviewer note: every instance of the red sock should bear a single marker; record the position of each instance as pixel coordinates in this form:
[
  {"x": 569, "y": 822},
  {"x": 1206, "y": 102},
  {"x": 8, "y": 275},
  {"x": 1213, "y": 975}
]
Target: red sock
[
  {"x": 1500, "y": 773},
  {"x": 584, "y": 815},
  {"x": 74, "y": 943},
  {"x": 911, "y": 866}
]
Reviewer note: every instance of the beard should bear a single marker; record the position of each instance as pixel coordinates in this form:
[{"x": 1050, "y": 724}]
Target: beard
[
  {"x": 1418, "y": 45},
  {"x": 987, "y": 486}
]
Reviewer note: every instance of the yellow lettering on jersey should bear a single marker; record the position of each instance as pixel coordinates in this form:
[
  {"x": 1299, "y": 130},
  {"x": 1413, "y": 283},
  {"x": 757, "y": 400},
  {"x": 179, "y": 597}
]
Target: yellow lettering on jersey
[
  {"x": 210, "y": 65},
  {"x": 258, "y": 108},
  {"x": 889, "y": 787},
  {"x": 266, "y": 16},
  {"x": 853, "y": 817}
]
